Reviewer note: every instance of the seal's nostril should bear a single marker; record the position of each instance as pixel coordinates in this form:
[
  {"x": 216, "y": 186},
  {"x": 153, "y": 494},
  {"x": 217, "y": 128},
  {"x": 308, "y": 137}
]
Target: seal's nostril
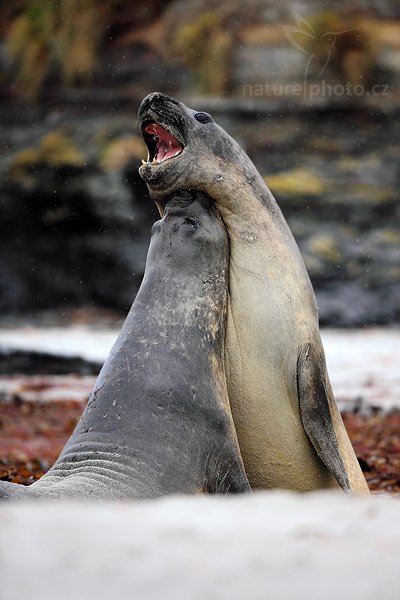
[
  {"x": 156, "y": 101},
  {"x": 147, "y": 102},
  {"x": 153, "y": 96}
]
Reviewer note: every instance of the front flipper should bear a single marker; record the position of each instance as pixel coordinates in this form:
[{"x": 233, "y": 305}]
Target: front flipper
[{"x": 314, "y": 390}]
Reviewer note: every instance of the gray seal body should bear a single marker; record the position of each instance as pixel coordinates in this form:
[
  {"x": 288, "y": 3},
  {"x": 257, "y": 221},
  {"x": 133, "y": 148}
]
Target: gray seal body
[
  {"x": 290, "y": 432},
  {"x": 158, "y": 421}
]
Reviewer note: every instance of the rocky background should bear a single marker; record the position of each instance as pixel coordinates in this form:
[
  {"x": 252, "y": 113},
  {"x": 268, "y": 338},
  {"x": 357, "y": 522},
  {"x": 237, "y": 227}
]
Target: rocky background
[{"x": 311, "y": 90}]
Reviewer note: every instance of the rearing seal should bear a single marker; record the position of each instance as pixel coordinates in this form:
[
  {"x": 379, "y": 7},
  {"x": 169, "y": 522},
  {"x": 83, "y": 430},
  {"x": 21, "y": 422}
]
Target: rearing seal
[
  {"x": 158, "y": 421},
  {"x": 290, "y": 432}
]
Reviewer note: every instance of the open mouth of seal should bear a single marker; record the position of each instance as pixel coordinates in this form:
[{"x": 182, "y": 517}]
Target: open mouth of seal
[{"x": 161, "y": 144}]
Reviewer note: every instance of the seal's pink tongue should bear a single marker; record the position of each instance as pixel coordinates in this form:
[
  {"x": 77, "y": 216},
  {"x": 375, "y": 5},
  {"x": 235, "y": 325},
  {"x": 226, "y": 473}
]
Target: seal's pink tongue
[{"x": 167, "y": 145}]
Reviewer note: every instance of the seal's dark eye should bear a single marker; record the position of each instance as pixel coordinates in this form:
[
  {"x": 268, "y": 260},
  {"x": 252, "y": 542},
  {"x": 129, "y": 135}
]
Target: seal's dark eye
[{"x": 202, "y": 117}]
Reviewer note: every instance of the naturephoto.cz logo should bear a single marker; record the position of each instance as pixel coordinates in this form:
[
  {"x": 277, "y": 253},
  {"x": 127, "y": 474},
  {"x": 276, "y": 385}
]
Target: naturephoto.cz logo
[
  {"x": 304, "y": 38},
  {"x": 320, "y": 48}
]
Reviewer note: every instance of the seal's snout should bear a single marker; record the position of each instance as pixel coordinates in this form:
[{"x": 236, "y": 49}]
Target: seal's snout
[
  {"x": 147, "y": 103},
  {"x": 152, "y": 101},
  {"x": 162, "y": 129}
]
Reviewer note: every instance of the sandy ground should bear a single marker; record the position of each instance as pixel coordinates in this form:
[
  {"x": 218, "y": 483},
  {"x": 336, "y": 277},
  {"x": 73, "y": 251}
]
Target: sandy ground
[
  {"x": 364, "y": 365},
  {"x": 272, "y": 545}
]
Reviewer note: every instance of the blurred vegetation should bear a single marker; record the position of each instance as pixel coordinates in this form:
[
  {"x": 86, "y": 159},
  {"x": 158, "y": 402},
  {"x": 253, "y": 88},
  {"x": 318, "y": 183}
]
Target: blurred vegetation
[
  {"x": 61, "y": 40},
  {"x": 63, "y": 37},
  {"x": 54, "y": 35},
  {"x": 206, "y": 48}
]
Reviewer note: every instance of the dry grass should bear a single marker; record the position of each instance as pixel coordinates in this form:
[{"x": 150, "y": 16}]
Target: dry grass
[{"x": 57, "y": 38}]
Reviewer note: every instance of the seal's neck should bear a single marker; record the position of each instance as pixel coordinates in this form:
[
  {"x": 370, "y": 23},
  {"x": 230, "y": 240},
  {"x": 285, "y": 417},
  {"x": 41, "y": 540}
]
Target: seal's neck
[{"x": 241, "y": 192}]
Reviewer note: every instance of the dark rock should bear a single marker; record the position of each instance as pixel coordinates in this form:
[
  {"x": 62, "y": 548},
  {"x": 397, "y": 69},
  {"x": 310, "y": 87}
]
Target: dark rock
[
  {"x": 346, "y": 304},
  {"x": 36, "y": 363},
  {"x": 71, "y": 233}
]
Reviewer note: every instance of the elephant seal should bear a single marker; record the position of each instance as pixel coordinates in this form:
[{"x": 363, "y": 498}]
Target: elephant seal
[
  {"x": 158, "y": 421},
  {"x": 289, "y": 429}
]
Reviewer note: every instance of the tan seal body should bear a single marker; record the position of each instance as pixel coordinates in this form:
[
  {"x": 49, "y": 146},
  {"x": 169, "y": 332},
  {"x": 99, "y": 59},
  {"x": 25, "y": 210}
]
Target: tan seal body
[{"x": 289, "y": 429}]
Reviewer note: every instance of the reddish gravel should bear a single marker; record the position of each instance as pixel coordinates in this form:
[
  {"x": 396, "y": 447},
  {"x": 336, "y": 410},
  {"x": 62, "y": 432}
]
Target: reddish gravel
[
  {"x": 376, "y": 440},
  {"x": 32, "y": 435}
]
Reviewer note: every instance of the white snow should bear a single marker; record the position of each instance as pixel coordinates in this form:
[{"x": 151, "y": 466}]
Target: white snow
[
  {"x": 364, "y": 364},
  {"x": 78, "y": 341},
  {"x": 268, "y": 546}
]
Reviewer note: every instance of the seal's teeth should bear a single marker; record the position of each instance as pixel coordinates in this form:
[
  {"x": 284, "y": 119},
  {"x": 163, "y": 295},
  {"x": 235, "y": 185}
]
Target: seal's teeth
[{"x": 144, "y": 162}]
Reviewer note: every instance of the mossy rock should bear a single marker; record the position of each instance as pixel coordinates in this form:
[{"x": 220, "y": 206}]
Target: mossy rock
[
  {"x": 387, "y": 237},
  {"x": 119, "y": 152},
  {"x": 55, "y": 150},
  {"x": 297, "y": 182},
  {"x": 393, "y": 274},
  {"x": 324, "y": 145},
  {"x": 324, "y": 246},
  {"x": 350, "y": 164},
  {"x": 363, "y": 194}
]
